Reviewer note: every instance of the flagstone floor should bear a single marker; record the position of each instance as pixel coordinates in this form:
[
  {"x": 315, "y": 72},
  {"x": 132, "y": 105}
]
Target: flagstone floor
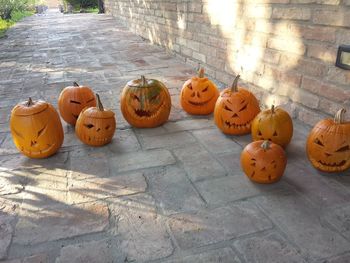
[{"x": 170, "y": 194}]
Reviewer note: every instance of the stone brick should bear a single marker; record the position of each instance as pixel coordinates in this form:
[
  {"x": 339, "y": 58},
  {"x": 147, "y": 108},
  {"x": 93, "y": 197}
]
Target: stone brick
[
  {"x": 211, "y": 226},
  {"x": 173, "y": 191},
  {"x": 216, "y": 141},
  {"x": 310, "y": 117},
  {"x": 338, "y": 76},
  {"x": 6, "y": 233},
  {"x": 195, "y": 7},
  {"x": 222, "y": 255},
  {"x": 95, "y": 251},
  {"x": 291, "y": 13},
  {"x": 186, "y": 125},
  {"x": 339, "y": 219},
  {"x": 268, "y": 248},
  {"x": 325, "y": 90},
  {"x": 166, "y": 141},
  {"x": 331, "y": 17},
  {"x": 339, "y": 259},
  {"x": 39, "y": 258},
  {"x": 91, "y": 189},
  {"x": 232, "y": 188},
  {"x": 198, "y": 163},
  {"x": 142, "y": 231},
  {"x": 289, "y": 45},
  {"x": 38, "y": 226},
  {"x": 124, "y": 141},
  {"x": 199, "y": 56},
  {"x": 287, "y": 209},
  {"x": 325, "y": 53}
]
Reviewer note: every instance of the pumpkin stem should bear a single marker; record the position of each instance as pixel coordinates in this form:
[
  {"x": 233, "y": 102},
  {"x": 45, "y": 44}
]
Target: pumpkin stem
[
  {"x": 143, "y": 80},
  {"x": 272, "y": 109},
  {"x": 99, "y": 103},
  {"x": 234, "y": 87},
  {"x": 340, "y": 116},
  {"x": 75, "y": 84},
  {"x": 29, "y": 102},
  {"x": 201, "y": 72},
  {"x": 266, "y": 145}
]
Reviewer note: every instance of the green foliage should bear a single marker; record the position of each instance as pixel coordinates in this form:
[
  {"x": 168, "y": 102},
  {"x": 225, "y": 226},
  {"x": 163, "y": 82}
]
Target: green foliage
[
  {"x": 15, "y": 17},
  {"x": 82, "y": 4},
  {"x": 8, "y": 7}
]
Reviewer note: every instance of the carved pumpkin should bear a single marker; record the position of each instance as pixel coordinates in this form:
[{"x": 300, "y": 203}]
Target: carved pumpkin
[
  {"x": 263, "y": 161},
  {"x": 72, "y": 100},
  {"x": 95, "y": 125},
  {"x": 328, "y": 144},
  {"x": 235, "y": 110},
  {"x": 36, "y": 128},
  {"x": 274, "y": 125},
  {"x": 145, "y": 103},
  {"x": 198, "y": 95}
]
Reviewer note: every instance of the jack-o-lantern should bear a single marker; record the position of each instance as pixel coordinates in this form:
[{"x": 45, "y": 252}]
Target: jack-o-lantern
[
  {"x": 328, "y": 144},
  {"x": 95, "y": 125},
  {"x": 198, "y": 95},
  {"x": 235, "y": 110},
  {"x": 263, "y": 161},
  {"x": 73, "y": 99},
  {"x": 36, "y": 128},
  {"x": 145, "y": 103},
  {"x": 274, "y": 125}
]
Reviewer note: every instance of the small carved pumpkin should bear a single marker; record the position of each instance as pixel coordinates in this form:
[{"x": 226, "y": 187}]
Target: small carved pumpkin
[
  {"x": 274, "y": 125},
  {"x": 198, "y": 95},
  {"x": 263, "y": 161},
  {"x": 95, "y": 125},
  {"x": 36, "y": 128},
  {"x": 145, "y": 103},
  {"x": 235, "y": 110},
  {"x": 328, "y": 144},
  {"x": 73, "y": 99}
]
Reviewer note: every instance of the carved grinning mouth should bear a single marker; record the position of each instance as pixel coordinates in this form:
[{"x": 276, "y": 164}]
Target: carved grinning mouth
[
  {"x": 199, "y": 103},
  {"x": 143, "y": 113},
  {"x": 333, "y": 164}
]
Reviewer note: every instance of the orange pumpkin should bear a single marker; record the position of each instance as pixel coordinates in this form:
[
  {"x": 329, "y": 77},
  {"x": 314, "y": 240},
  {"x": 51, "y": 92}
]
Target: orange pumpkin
[
  {"x": 235, "y": 110},
  {"x": 198, "y": 95},
  {"x": 95, "y": 125},
  {"x": 145, "y": 103},
  {"x": 274, "y": 125},
  {"x": 328, "y": 144},
  {"x": 263, "y": 162},
  {"x": 36, "y": 128},
  {"x": 73, "y": 99}
]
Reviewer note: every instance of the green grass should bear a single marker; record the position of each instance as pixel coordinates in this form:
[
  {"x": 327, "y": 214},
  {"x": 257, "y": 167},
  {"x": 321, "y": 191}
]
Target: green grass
[{"x": 15, "y": 17}]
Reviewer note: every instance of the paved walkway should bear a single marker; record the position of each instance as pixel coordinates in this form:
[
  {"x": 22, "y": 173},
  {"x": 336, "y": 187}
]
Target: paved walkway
[{"x": 171, "y": 194}]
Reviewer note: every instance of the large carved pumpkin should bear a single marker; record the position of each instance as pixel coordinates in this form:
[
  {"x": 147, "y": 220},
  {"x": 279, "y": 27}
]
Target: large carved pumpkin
[
  {"x": 73, "y": 99},
  {"x": 263, "y": 161},
  {"x": 274, "y": 125},
  {"x": 198, "y": 95},
  {"x": 145, "y": 103},
  {"x": 235, "y": 110},
  {"x": 328, "y": 144},
  {"x": 36, "y": 128}
]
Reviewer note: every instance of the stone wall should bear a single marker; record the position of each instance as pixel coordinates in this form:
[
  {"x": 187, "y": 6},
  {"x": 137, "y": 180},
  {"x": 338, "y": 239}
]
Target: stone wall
[{"x": 285, "y": 50}]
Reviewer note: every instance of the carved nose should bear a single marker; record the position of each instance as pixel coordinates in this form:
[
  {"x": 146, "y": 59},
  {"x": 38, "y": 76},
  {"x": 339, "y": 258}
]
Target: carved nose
[
  {"x": 32, "y": 143},
  {"x": 234, "y": 115},
  {"x": 327, "y": 154},
  {"x": 193, "y": 94},
  {"x": 198, "y": 95}
]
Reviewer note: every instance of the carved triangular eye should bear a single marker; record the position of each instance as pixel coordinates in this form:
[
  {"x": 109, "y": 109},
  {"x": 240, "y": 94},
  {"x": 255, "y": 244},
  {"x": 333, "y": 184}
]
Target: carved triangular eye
[
  {"x": 244, "y": 107},
  {"x": 107, "y": 127},
  {"x": 259, "y": 133},
  {"x": 274, "y": 134},
  {"x": 89, "y": 126},
  {"x": 343, "y": 149},
  {"x": 317, "y": 141},
  {"x": 75, "y": 102},
  {"x": 135, "y": 97},
  {"x": 190, "y": 86},
  {"x": 227, "y": 108},
  {"x": 206, "y": 89},
  {"x": 41, "y": 131}
]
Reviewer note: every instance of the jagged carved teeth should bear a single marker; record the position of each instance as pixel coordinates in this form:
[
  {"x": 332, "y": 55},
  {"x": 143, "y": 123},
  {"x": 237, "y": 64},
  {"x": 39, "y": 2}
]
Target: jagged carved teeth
[
  {"x": 98, "y": 139},
  {"x": 237, "y": 126},
  {"x": 143, "y": 113},
  {"x": 333, "y": 164}
]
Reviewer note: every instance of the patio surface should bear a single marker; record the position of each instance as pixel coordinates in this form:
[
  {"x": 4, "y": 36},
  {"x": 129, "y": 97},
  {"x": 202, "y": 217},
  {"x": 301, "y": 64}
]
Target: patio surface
[{"x": 170, "y": 194}]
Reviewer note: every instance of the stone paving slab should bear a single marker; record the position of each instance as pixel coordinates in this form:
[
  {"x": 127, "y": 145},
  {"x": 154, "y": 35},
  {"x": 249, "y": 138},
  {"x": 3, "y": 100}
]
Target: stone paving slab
[{"x": 175, "y": 193}]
